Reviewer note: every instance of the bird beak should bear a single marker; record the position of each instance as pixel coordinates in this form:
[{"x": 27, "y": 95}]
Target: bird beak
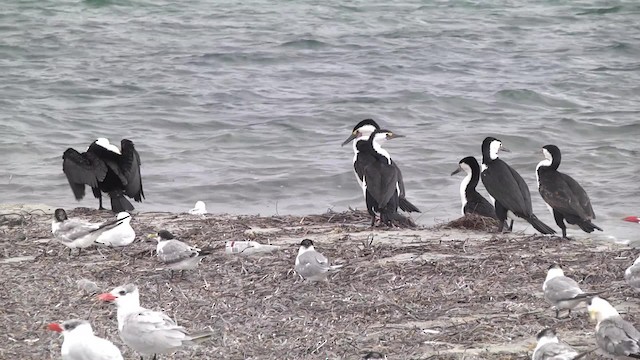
[
  {"x": 592, "y": 314},
  {"x": 457, "y": 170},
  {"x": 55, "y": 327},
  {"x": 394, "y": 135},
  {"x": 351, "y": 137},
  {"x": 502, "y": 148},
  {"x": 107, "y": 297},
  {"x": 532, "y": 346},
  {"x": 151, "y": 237},
  {"x": 631, "y": 219}
]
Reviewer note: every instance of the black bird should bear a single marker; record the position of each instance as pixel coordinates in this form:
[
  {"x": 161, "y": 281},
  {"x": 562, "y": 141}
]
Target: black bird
[
  {"x": 107, "y": 169},
  {"x": 380, "y": 180},
  {"x": 361, "y": 133},
  {"x": 507, "y": 187},
  {"x": 565, "y": 198},
  {"x": 472, "y": 201}
]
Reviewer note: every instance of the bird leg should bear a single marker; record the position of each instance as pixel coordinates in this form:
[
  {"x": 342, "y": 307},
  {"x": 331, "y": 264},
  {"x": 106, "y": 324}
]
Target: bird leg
[
  {"x": 171, "y": 272},
  {"x": 511, "y": 226},
  {"x": 100, "y": 200},
  {"x": 557, "y": 313},
  {"x": 181, "y": 274}
]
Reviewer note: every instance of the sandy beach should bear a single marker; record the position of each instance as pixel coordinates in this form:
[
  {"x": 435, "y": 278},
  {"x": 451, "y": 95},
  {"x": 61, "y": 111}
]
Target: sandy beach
[{"x": 424, "y": 293}]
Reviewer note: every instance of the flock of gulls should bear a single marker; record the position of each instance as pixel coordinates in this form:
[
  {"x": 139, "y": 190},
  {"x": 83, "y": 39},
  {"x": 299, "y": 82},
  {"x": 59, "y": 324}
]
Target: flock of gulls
[{"x": 116, "y": 171}]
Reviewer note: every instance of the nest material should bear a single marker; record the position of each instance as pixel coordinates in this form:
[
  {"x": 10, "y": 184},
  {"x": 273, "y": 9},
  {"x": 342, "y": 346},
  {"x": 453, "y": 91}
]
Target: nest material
[
  {"x": 472, "y": 222},
  {"x": 460, "y": 300}
]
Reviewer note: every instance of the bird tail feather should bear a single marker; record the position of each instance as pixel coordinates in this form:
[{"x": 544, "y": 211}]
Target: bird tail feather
[
  {"x": 539, "y": 225},
  {"x": 119, "y": 203},
  {"x": 108, "y": 225},
  {"x": 406, "y": 206},
  {"x": 201, "y": 336},
  {"x": 588, "y": 226},
  {"x": 335, "y": 267}
]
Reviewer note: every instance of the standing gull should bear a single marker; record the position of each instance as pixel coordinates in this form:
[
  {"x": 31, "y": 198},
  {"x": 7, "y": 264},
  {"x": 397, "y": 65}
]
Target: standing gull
[
  {"x": 549, "y": 347},
  {"x": 146, "y": 331},
  {"x": 177, "y": 255},
  {"x": 506, "y": 186},
  {"x": 563, "y": 292},
  {"x": 79, "y": 234},
  {"x": 312, "y": 265},
  {"x": 107, "y": 169},
  {"x": 472, "y": 201},
  {"x": 81, "y": 344},
  {"x": 361, "y": 133},
  {"x": 616, "y": 338},
  {"x": 565, "y": 198}
]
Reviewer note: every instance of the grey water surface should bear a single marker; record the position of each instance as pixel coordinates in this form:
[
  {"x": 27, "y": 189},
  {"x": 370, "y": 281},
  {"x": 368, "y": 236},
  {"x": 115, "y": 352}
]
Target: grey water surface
[{"x": 244, "y": 104}]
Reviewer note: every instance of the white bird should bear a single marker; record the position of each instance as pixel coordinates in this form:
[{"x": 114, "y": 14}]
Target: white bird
[
  {"x": 563, "y": 292},
  {"x": 550, "y": 348},
  {"x": 81, "y": 344},
  {"x": 199, "y": 209},
  {"x": 312, "y": 265},
  {"x": 146, "y": 331},
  {"x": 79, "y": 234},
  {"x": 632, "y": 275},
  {"x": 616, "y": 338},
  {"x": 177, "y": 255},
  {"x": 121, "y": 235}
]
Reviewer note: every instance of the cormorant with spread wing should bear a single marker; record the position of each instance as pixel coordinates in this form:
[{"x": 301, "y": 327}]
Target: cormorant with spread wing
[{"x": 107, "y": 169}]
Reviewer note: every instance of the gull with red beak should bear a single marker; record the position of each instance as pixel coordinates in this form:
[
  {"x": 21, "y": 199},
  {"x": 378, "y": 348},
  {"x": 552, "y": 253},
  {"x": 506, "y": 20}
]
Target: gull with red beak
[
  {"x": 81, "y": 344},
  {"x": 146, "y": 331}
]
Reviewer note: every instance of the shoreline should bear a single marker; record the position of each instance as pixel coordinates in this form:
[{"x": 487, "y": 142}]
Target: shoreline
[{"x": 429, "y": 292}]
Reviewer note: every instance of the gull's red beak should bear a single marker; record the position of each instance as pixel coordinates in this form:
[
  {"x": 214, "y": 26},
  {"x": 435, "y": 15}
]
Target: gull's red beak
[
  {"x": 108, "y": 297},
  {"x": 55, "y": 327},
  {"x": 631, "y": 219}
]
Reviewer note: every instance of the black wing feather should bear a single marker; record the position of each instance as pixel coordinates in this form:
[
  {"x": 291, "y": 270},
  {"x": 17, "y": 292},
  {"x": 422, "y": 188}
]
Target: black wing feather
[
  {"x": 82, "y": 169},
  {"x": 563, "y": 197},
  {"x": 381, "y": 180},
  {"x": 508, "y": 188},
  {"x": 130, "y": 165}
]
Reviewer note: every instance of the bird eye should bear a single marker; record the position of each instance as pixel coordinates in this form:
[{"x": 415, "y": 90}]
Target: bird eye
[{"x": 122, "y": 292}]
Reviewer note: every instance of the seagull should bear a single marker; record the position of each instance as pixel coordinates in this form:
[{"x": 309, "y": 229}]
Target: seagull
[
  {"x": 615, "y": 337},
  {"x": 199, "y": 209},
  {"x": 550, "y": 348},
  {"x": 563, "y": 292},
  {"x": 632, "y": 275},
  {"x": 81, "y": 344},
  {"x": 177, "y": 255},
  {"x": 121, "y": 235},
  {"x": 77, "y": 233},
  {"x": 146, "y": 331},
  {"x": 361, "y": 133},
  {"x": 107, "y": 169},
  {"x": 312, "y": 265}
]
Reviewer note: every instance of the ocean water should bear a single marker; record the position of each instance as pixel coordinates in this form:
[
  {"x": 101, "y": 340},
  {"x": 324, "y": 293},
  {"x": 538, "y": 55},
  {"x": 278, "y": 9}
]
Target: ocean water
[{"x": 244, "y": 104}]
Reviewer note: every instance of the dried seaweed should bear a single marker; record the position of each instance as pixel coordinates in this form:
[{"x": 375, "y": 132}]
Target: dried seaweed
[{"x": 423, "y": 298}]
